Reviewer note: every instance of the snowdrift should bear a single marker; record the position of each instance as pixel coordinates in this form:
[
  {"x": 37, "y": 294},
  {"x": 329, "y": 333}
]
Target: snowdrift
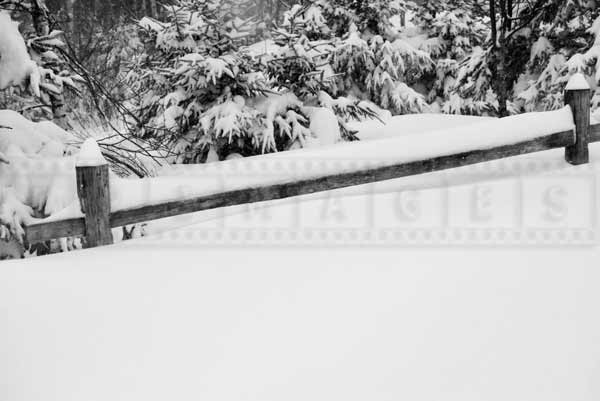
[
  {"x": 38, "y": 172},
  {"x": 129, "y": 322},
  {"x": 411, "y": 124}
]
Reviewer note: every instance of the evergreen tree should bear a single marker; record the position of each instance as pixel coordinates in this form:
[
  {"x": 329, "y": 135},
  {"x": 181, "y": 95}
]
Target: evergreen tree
[
  {"x": 455, "y": 30},
  {"x": 194, "y": 86},
  {"x": 567, "y": 41},
  {"x": 205, "y": 95},
  {"x": 368, "y": 58},
  {"x": 533, "y": 49}
]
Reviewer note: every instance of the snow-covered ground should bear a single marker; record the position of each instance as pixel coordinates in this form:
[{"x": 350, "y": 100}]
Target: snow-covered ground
[
  {"x": 176, "y": 317},
  {"x": 478, "y": 283},
  {"x": 279, "y": 324},
  {"x": 410, "y": 124}
]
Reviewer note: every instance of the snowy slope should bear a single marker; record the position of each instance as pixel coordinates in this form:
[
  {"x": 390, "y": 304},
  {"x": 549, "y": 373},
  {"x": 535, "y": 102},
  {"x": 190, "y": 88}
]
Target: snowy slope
[
  {"x": 138, "y": 323},
  {"x": 173, "y": 317}
]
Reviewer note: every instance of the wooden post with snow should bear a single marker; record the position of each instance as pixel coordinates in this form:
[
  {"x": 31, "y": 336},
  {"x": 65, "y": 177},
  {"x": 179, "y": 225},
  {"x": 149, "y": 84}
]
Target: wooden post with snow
[
  {"x": 93, "y": 190},
  {"x": 577, "y": 96}
]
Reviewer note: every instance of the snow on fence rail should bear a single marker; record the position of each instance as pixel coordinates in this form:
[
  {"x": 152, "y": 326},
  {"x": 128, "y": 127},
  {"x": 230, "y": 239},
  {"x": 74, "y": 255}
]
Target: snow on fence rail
[{"x": 568, "y": 128}]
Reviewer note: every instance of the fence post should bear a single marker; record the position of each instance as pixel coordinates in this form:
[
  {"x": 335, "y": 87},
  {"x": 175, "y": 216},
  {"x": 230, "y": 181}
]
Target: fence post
[
  {"x": 577, "y": 96},
  {"x": 93, "y": 190}
]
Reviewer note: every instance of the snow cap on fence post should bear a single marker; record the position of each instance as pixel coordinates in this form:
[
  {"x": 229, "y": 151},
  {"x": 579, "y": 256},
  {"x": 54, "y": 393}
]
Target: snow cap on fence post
[
  {"x": 577, "y": 96},
  {"x": 90, "y": 154},
  {"x": 577, "y": 82},
  {"x": 93, "y": 191}
]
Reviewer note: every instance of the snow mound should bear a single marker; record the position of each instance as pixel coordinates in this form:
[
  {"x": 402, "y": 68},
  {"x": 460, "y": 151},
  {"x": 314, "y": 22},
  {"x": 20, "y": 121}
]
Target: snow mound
[
  {"x": 595, "y": 117},
  {"x": 90, "y": 154},
  {"x": 263, "y": 48},
  {"x": 41, "y": 139},
  {"x": 37, "y": 176},
  {"x": 324, "y": 125},
  {"x": 578, "y": 82},
  {"x": 150, "y": 24},
  {"x": 459, "y": 323},
  {"x": 410, "y": 124}
]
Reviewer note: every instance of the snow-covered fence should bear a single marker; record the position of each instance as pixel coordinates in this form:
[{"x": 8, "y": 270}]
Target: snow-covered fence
[
  {"x": 577, "y": 96},
  {"x": 513, "y": 136},
  {"x": 93, "y": 190}
]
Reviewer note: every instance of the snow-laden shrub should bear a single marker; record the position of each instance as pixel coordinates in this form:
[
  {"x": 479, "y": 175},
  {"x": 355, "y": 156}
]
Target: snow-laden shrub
[
  {"x": 381, "y": 71},
  {"x": 305, "y": 67},
  {"x": 568, "y": 46},
  {"x": 199, "y": 92},
  {"x": 196, "y": 88},
  {"x": 307, "y": 20},
  {"x": 472, "y": 91},
  {"x": 300, "y": 60},
  {"x": 354, "y": 50},
  {"x": 452, "y": 36},
  {"x": 533, "y": 62},
  {"x": 205, "y": 96},
  {"x": 37, "y": 175},
  {"x": 371, "y": 17}
]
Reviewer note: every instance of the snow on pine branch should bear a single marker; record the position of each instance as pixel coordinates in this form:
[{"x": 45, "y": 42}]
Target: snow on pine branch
[
  {"x": 34, "y": 66},
  {"x": 207, "y": 98},
  {"x": 16, "y": 65}
]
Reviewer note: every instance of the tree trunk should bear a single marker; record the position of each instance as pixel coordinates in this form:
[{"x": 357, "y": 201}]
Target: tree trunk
[
  {"x": 502, "y": 90},
  {"x": 41, "y": 24},
  {"x": 39, "y": 15},
  {"x": 278, "y": 13},
  {"x": 153, "y": 9},
  {"x": 143, "y": 10},
  {"x": 493, "y": 23},
  {"x": 499, "y": 58},
  {"x": 500, "y": 78},
  {"x": 69, "y": 9}
]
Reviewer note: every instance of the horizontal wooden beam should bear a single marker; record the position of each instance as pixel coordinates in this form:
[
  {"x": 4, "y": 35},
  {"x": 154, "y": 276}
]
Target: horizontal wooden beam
[
  {"x": 76, "y": 227},
  {"x": 595, "y": 133},
  {"x": 326, "y": 183},
  {"x": 40, "y": 232}
]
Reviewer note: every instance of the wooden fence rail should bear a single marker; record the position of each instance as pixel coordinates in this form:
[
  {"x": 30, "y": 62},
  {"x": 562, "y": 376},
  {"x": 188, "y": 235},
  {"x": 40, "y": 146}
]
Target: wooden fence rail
[{"x": 94, "y": 194}]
